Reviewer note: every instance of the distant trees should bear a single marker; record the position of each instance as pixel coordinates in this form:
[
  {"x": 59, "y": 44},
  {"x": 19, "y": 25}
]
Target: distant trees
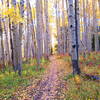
[
  {"x": 63, "y": 28},
  {"x": 94, "y": 8},
  {"x": 90, "y": 34},
  {"x": 58, "y": 26},
  {"x": 25, "y": 31}
]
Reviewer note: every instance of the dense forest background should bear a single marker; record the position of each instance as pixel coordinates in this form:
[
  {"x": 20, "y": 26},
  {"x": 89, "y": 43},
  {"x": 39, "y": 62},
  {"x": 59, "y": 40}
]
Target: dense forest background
[
  {"x": 34, "y": 30},
  {"x": 31, "y": 29}
]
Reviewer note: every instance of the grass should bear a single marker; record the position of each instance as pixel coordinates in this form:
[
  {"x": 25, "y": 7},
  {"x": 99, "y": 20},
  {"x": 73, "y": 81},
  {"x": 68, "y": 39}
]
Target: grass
[
  {"x": 91, "y": 64},
  {"x": 88, "y": 89},
  {"x": 10, "y": 82}
]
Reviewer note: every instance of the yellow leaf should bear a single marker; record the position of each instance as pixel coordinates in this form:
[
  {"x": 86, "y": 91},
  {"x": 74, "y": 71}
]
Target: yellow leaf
[{"x": 77, "y": 79}]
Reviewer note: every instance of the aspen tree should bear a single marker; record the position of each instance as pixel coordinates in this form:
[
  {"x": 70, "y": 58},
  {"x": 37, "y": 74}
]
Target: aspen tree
[
  {"x": 58, "y": 26},
  {"x": 28, "y": 36},
  {"x": 47, "y": 31},
  {"x": 39, "y": 30},
  {"x": 2, "y": 47},
  {"x": 63, "y": 26},
  {"x": 73, "y": 21},
  {"x": 16, "y": 44},
  {"x": 94, "y": 8}
]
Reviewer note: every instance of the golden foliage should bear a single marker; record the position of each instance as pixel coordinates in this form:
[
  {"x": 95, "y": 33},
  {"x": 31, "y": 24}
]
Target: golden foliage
[
  {"x": 77, "y": 79},
  {"x": 13, "y": 14}
]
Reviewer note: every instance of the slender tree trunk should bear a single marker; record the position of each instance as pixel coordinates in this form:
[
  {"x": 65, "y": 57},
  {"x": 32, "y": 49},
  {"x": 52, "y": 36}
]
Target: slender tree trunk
[
  {"x": 95, "y": 25},
  {"x": 10, "y": 37},
  {"x": 28, "y": 41},
  {"x": 63, "y": 26},
  {"x": 58, "y": 27},
  {"x": 47, "y": 32},
  {"x": 85, "y": 34},
  {"x": 32, "y": 33},
  {"x": 69, "y": 42},
  {"x": 39, "y": 30},
  {"x": 89, "y": 29},
  {"x": 20, "y": 38},
  {"x": 16, "y": 45},
  {"x": 2, "y": 47},
  {"x": 73, "y": 21}
]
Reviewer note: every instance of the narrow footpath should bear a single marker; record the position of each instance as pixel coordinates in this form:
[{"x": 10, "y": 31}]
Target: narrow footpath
[{"x": 52, "y": 85}]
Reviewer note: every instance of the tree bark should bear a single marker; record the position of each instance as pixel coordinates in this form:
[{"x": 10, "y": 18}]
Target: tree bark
[
  {"x": 39, "y": 31},
  {"x": 94, "y": 8},
  {"x": 47, "y": 31},
  {"x": 74, "y": 35}
]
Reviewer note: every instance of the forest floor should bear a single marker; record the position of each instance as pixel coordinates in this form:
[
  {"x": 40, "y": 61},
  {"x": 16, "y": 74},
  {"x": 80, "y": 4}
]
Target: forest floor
[
  {"x": 51, "y": 86},
  {"x": 57, "y": 82}
]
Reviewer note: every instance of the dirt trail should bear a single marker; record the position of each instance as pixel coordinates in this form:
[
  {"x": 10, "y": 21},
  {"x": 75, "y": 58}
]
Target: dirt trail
[{"x": 51, "y": 85}]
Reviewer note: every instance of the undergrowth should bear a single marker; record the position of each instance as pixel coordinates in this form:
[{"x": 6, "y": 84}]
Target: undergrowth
[
  {"x": 11, "y": 81},
  {"x": 88, "y": 89}
]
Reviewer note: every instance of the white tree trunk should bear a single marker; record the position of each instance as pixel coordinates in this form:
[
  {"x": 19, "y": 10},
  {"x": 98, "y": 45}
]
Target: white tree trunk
[
  {"x": 47, "y": 31},
  {"x": 73, "y": 21},
  {"x": 58, "y": 27},
  {"x": 39, "y": 30},
  {"x": 63, "y": 26}
]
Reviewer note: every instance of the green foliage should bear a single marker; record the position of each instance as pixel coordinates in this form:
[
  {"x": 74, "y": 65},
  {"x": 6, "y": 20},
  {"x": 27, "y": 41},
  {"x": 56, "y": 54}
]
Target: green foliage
[
  {"x": 69, "y": 76},
  {"x": 87, "y": 90},
  {"x": 92, "y": 59},
  {"x": 44, "y": 61},
  {"x": 10, "y": 82}
]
